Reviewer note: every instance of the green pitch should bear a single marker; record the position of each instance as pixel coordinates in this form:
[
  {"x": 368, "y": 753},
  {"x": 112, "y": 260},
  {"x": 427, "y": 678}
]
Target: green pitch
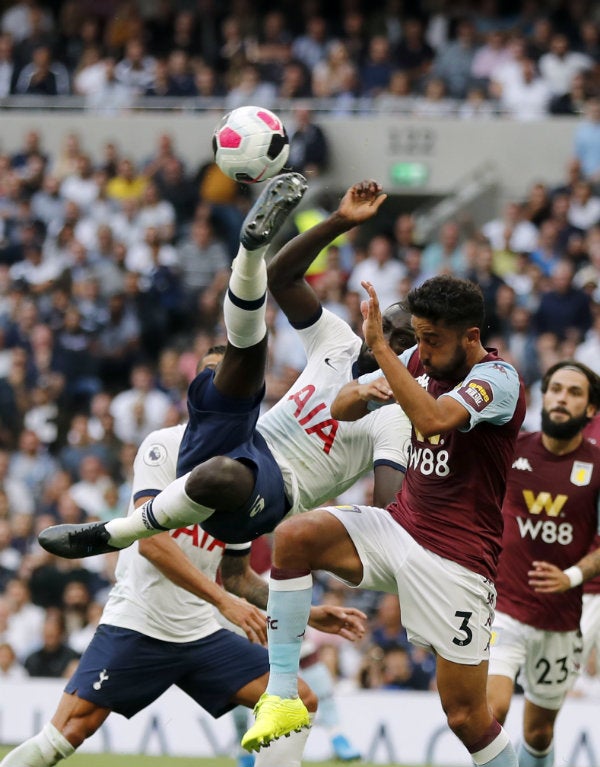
[{"x": 128, "y": 760}]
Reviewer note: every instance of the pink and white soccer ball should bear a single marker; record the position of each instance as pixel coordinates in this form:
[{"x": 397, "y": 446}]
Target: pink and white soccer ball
[{"x": 250, "y": 144}]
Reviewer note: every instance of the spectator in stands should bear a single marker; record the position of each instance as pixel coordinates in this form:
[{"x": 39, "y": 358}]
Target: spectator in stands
[
  {"x": 588, "y": 351},
  {"x": 381, "y": 269},
  {"x": 201, "y": 257},
  {"x": 80, "y": 187},
  {"x": 43, "y": 76},
  {"x": 19, "y": 496},
  {"x": 434, "y": 101},
  {"x": 310, "y": 47},
  {"x": 547, "y": 254},
  {"x": 8, "y": 70},
  {"x": 587, "y": 141},
  {"x": 564, "y": 310},
  {"x": 527, "y": 98},
  {"x": 157, "y": 212},
  {"x": 560, "y": 64},
  {"x": 136, "y": 69},
  {"x": 25, "y": 619},
  {"x": 54, "y": 658},
  {"x": 273, "y": 46},
  {"x": 309, "y": 146},
  {"x": 445, "y": 254},
  {"x": 94, "y": 480},
  {"x": 66, "y": 161},
  {"x": 413, "y": 54},
  {"x": 376, "y": 70},
  {"x": 128, "y": 183},
  {"x": 330, "y": 76},
  {"x": 16, "y": 21},
  {"x": 295, "y": 81},
  {"x": 248, "y": 89},
  {"x": 177, "y": 187},
  {"x": 584, "y": 206},
  {"x": 400, "y": 674},
  {"x": 141, "y": 409},
  {"x": 573, "y": 102},
  {"x": 110, "y": 95},
  {"x": 10, "y": 668},
  {"x": 511, "y": 232},
  {"x": 453, "y": 61},
  {"x": 118, "y": 343}
]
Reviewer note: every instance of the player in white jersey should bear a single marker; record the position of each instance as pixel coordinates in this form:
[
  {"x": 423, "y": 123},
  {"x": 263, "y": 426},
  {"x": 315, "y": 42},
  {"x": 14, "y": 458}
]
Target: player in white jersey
[
  {"x": 159, "y": 617},
  {"x": 299, "y": 455}
]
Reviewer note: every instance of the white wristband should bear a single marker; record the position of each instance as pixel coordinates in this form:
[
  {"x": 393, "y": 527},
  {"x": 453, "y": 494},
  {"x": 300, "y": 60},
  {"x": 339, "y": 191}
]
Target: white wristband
[{"x": 575, "y": 576}]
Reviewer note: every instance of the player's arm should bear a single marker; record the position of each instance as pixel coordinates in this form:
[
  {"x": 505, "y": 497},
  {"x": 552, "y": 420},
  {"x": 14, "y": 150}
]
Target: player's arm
[
  {"x": 547, "y": 578},
  {"x": 286, "y": 270},
  {"x": 162, "y": 552},
  {"x": 428, "y": 415},
  {"x": 388, "y": 482},
  {"x": 240, "y": 579},
  {"x": 352, "y": 400}
]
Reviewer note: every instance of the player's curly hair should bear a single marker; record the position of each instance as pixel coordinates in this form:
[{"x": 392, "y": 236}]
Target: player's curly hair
[
  {"x": 592, "y": 377},
  {"x": 455, "y": 302}
]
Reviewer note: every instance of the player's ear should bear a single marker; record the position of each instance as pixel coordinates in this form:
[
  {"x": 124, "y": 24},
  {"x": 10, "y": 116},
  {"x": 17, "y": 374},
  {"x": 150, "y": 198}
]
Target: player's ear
[
  {"x": 591, "y": 410},
  {"x": 473, "y": 335}
]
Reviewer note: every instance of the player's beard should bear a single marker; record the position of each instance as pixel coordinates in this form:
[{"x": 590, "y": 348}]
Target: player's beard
[
  {"x": 453, "y": 370},
  {"x": 564, "y": 429}
]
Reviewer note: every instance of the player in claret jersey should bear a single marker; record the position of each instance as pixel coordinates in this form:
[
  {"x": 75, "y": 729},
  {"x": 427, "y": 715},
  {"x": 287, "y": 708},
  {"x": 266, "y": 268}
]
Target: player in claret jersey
[
  {"x": 437, "y": 544},
  {"x": 550, "y": 520}
]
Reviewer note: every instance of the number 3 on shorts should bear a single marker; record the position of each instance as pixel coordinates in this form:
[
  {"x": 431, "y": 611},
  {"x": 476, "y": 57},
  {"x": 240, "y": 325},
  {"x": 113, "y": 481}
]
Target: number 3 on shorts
[{"x": 464, "y": 627}]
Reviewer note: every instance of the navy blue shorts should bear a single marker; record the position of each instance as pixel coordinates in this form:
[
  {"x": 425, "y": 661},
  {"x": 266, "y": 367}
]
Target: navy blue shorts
[
  {"x": 126, "y": 671},
  {"x": 220, "y": 425}
]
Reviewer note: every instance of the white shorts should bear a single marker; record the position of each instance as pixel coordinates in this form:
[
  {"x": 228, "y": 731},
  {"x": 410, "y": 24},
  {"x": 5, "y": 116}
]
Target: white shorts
[
  {"x": 547, "y": 662},
  {"x": 445, "y": 607},
  {"x": 590, "y": 626}
]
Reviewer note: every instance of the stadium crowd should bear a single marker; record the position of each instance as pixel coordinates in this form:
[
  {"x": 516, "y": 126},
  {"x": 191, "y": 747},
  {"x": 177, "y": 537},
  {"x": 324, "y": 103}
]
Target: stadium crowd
[
  {"x": 428, "y": 58},
  {"x": 112, "y": 270}
]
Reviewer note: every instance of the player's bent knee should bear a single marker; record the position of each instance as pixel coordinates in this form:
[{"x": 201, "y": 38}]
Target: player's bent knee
[{"x": 215, "y": 475}]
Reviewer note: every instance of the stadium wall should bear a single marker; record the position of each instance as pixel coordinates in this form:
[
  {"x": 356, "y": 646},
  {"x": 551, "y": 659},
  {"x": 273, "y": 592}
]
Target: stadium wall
[
  {"x": 388, "y": 727},
  {"x": 407, "y": 155}
]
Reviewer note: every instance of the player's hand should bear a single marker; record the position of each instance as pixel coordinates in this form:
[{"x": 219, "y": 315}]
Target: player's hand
[
  {"x": 546, "y": 578},
  {"x": 362, "y": 201},
  {"x": 375, "y": 391},
  {"x": 249, "y": 618},
  {"x": 372, "y": 323},
  {"x": 348, "y": 622}
]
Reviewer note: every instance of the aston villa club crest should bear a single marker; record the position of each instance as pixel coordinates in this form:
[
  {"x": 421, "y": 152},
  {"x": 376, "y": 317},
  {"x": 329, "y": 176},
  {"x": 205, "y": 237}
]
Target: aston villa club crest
[{"x": 581, "y": 473}]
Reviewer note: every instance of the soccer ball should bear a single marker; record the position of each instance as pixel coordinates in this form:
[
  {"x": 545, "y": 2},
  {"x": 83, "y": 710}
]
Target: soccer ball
[{"x": 250, "y": 144}]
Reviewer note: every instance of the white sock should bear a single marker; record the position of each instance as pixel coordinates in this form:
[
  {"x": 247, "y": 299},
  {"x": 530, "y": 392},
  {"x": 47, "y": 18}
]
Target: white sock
[
  {"x": 498, "y": 753},
  {"x": 286, "y": 751},
  {"x": 245, "y": 301},
  {"x": 46, "y": 748},
  {"x": 172, "y": 508}
]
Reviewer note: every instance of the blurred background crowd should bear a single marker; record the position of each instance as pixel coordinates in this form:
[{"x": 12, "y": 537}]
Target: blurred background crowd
[{"x": 112, "y": 269}]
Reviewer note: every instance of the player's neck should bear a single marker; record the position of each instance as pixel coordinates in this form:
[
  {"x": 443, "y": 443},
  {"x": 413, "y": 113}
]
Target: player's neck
[{"x": 561, "y": 446}]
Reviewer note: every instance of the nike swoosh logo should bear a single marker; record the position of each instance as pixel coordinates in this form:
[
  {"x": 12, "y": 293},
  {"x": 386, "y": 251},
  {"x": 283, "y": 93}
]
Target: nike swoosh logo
[{"x": 328, "y": 362}]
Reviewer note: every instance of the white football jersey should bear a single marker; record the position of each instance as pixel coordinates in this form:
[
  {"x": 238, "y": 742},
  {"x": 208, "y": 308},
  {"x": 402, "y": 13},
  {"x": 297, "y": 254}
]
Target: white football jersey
[
  {"x": 320, "y": 457},
  {"x": 143, "y": 599}
]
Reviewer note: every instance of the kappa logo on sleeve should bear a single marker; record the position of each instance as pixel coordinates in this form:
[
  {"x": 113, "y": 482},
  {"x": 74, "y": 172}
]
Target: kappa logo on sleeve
[{"x": 477, "y": 394}]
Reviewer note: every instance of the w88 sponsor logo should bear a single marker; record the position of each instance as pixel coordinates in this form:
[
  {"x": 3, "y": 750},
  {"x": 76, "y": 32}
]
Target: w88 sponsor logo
[
  {"x": 428, "y": 461},
  {"x": 547, "y": 530}
]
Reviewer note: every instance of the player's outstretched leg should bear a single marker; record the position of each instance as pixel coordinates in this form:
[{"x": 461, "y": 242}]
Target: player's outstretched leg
[{"x": 244, "y": 312}]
